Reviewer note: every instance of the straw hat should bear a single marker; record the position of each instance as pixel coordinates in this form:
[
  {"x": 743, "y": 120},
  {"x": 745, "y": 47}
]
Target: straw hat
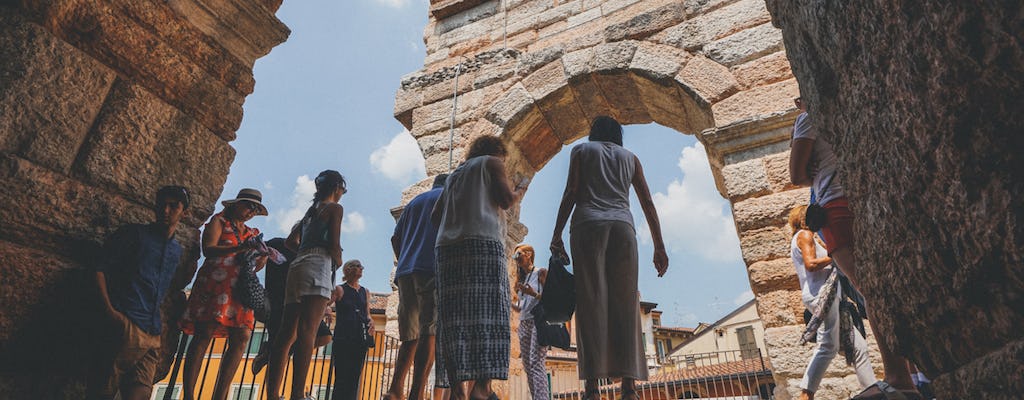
[{"x": 250, "y": 195}]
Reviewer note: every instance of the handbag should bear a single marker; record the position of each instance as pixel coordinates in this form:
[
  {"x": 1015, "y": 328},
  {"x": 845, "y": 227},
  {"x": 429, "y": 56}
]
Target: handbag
[
  {"x": 552, "y": 335},
  {"x": 247, "y": 289},
  {"x": 815, "y": 216},
  {"x": 364, "y": 338},
  {"x": 559, "y": 299}
]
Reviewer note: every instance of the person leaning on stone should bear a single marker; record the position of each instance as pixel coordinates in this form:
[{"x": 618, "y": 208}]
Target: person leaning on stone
[
  {"x": 413, "y": 244},
  {"x": 813, "y": 163},
  {"x": 137, "y": 267},
  {"x": 529, "y": 285}
]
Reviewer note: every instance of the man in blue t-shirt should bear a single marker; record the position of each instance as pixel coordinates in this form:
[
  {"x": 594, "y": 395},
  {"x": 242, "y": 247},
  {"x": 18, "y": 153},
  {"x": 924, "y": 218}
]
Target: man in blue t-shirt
[
  {"x": 133, "y": 276},
  {"x": 413, "y": 243}
]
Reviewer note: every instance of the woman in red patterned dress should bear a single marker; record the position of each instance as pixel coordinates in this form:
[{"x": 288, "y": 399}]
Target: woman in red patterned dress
[{"x": 212, "y": 310}]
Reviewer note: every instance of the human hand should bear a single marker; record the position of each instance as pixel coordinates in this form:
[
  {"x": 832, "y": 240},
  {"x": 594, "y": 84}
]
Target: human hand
[
  {"x": 261, "y": 262},
  {"x": 660, "y": 261},
  {"x": 558, "y": 249},
  {"x": 370, "y": 329}
]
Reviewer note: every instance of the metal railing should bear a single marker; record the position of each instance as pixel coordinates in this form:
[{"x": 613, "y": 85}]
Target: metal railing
[{"x": 319, "y": 384}]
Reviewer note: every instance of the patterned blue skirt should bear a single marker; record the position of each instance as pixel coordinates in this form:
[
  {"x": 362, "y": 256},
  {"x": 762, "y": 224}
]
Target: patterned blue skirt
[{"x": 473, "y": 304}]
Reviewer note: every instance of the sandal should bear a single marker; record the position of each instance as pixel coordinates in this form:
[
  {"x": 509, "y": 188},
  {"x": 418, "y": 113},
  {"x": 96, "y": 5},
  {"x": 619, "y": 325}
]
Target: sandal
[{"x": 883, "y": 391}]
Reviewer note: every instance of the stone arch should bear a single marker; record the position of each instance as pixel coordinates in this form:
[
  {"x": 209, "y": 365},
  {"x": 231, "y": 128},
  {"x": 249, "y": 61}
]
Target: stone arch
[{"x": 713, "y": 69}]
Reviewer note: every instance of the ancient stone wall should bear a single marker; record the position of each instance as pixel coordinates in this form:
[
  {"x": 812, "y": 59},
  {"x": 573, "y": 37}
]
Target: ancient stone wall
[
  {"x": 923, "y": 101},
  {"x": 102, "y": 102},
  {"x": 535, "y": 72}
]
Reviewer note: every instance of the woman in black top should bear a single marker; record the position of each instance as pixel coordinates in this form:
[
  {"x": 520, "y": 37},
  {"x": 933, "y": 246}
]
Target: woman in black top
[{"x": 353, "y": 312}]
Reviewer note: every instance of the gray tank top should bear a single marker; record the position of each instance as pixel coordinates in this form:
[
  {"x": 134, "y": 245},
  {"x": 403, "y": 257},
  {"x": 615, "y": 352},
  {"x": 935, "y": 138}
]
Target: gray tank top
[
  {"x": 603, "y": 192},
  {"x": 314, "y": 232},
  {"x": 469, "y": 210}
]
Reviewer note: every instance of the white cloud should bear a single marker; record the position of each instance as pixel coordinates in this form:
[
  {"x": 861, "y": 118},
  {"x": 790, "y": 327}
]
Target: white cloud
[
  {"x": 268, "y": 185},
  {"x": 743, "y": 298},
  {"x": 353, "y": 222},
  {"x": 692, "y": 213},
  {"x": 302, "y": 198},
  {"x": 393, "y": 3},
  {"x": 400, "y": 160}
]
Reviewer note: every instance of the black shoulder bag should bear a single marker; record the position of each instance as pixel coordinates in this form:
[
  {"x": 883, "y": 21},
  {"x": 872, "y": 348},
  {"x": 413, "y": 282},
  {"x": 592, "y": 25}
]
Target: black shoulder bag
[
  {"x": 559, "y": 299},
  {"x": 815, "y": 216}
]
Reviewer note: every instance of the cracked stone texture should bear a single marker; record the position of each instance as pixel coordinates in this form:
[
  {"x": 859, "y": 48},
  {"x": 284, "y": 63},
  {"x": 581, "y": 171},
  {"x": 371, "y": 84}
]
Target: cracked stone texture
[
  {"x": 923, "y": 100},
  {"x": 100, "y": 104}
]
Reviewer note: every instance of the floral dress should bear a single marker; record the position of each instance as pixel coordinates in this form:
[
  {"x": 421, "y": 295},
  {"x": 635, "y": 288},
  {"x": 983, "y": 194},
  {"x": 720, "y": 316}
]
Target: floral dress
[{"x": 211, "y": 299}]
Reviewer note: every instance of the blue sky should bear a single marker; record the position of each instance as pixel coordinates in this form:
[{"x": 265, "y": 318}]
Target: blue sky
[{"x": 324, "y": 99}]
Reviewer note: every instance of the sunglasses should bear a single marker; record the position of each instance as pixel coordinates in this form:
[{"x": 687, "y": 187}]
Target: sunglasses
[{"x": 251, "y": 206}]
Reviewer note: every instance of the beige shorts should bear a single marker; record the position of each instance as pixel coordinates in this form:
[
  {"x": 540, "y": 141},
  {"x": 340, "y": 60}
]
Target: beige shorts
[
  {"x": 309, "y": 275},
  {"x": 416, "y": 304},
  {"x": 136, "y": 359}
]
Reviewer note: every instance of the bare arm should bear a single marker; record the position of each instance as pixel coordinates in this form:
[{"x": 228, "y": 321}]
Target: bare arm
[
  {"x": 643, "y": 194},
  {"x": 211, "y": 240},
  {"x": 371, "y": 329},
  {"x": 396, "y": 244},
  {"x": 294, "y": 238},
  {"x": 805, "y": 241},
  {"x": 799, "y": 158},
  {"x": 501, "y": 191},
  {"x": 565, "y": 208},
  {"x": 101, "y": 284}
]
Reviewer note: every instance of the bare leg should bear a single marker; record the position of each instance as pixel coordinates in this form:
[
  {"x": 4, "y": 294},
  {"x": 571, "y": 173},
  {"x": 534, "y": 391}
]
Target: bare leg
[
  {"x": 238, "y": 339},
  {"x": 440, "y": 393},
  {"x": 194, "y": 359},
  {"x": 805, "y": 395},
  {"x": 421, "y": 367},
  {"x": 136, "y": 392},
  {"x": 282, "y": 343},
  {"x": 311, "y": 311},
  {"x": 458, "y": 388},
  {"x": 481, "y": 389},
  {"x": 591, "y": 388},
  {"x": 895, "y": 366},
  {"x": 629, "y": 389},
  {"x": 402, "y": 364}
]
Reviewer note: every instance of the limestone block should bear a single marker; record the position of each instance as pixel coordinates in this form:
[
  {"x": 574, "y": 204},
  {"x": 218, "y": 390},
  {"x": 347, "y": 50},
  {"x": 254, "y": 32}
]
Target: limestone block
[
  {"x": 584, "y": 17},
  {"x": 763, "y": 71},
  {"x": 762, "y": 100},
  {"x": 493, "y": 74},
  {"x": 446, "y": 88},
  {"x": 789, "y": 358},
  {"x": 698, "y": 32},
  {"x": 694, "y": 7},
  {"x": 745, "y": 45},
  {"x": 644, "y": 24},
  {"x": 442, "y": 9},
  {"x": 623, "y": 95},
  {"x": 982, "y": 378},
  {"x": 534, "y": 137},
  {"x": 572, "y": 38},
  {"x": 577, "y": 63},
  {"x": 764, "y": 244},
  {"x": 772, "y": 209},
  {"x": 777, "y": 274},
  {"x": 709, "y": 79},
  {"x": 546, "y": 80},
  {"x": 139, "y": 143},
  {"x": 780, "y": 307},
  {"x": 50, "y": 93},
  {"x": 559, "y": 13},
  {"x": 432, "y": 112},
  {"x": 590, "y": 97},
  {"x": 532, "y": 60},
  {"x": 405, "y": 101},
  {"x": 745, "y": 179},
  {"x": 244, "y": 28},
  {"x": 613, "y": 56},
  {"x": 564, "y": 114},
  {"x": 658, "y": 62},
  {"x": 668, "y": 106},
  {"x": 777, "y": 166},
  {"x": 467, "y": 17},
  {"x": 609, "y": 7},
  {"x": 515, "y": 103}
]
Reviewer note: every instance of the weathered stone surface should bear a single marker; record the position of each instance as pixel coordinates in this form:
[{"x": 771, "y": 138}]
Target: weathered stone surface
[
  {"x": 49, "y": 93},
  {"x": 779, "y": 308},
  {"x": 927, "y": 155},
  {"x": 790, "y": 359},
  {"x": 609, "y": 57},
  {"x": 137, "y": 144},
  {"x": 768, "y": 210},
  {"x": 745, "y": 45},
  {"x": 546, "y": 80},
  {"x": 646, "y": 23},
  {"x": 658, "y": 62},
  {"x": 764, "y": 244},
  {"x": 745, "y": 179},
  {"x": 763, "y": 71},
  {"x": 445, "y": 8},
  {"x": 696, "y": 33},
  {"x": 709, "y": 79},
  {"x": 246, "y": 29},
  {"x": 755, "y": 102},
  {"x": 778, "y": 274},
  {"x": 777, "y": 166}
]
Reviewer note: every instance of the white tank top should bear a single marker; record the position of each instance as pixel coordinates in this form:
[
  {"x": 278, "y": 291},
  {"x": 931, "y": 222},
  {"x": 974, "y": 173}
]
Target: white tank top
[
  {"x": 469, "y": 210},
  {"x": 603, "y": 192},
  {"x": 527, "y": 302},
  {"x": 810, "y": 282}
]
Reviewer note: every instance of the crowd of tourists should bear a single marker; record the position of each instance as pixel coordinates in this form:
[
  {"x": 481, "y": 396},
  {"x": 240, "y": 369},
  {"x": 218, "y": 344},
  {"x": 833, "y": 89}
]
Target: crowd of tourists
[{"x": 455, "y": 299}]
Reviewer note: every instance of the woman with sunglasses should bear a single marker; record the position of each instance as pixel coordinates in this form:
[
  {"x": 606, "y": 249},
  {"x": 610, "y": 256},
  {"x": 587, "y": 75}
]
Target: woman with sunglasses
[
  {"x": 213, "y": 312},
  {"x": 317, "y": 240}
]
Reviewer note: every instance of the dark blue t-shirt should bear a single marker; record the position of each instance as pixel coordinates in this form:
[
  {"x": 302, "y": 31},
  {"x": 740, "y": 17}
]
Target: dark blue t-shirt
[
  {"x": 139, "y": 262},
  {"x": 417, "y": 235}
]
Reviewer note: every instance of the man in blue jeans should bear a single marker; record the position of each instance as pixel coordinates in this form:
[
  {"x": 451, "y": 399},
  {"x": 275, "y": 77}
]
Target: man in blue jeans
[{"x": 133, "y": 276}]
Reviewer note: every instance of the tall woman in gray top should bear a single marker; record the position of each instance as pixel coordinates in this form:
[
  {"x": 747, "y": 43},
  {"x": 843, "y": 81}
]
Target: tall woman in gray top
[
  {"x": 603, "y": 242},
  {"x": 473, "y": 297},
  {"x": 317, "y": 239}
]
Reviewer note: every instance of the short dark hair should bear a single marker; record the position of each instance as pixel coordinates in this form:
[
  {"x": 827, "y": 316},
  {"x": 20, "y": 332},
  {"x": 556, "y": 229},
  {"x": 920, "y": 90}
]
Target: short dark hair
[
  {"x": 486, "y": 145},
  {"x": 440, "y": 179},
  {"x": 178, "y": 193},
  {"x": 606, "y": 129}
]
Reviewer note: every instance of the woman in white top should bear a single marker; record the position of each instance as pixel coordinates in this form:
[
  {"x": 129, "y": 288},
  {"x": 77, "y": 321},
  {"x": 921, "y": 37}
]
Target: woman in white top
[
  {"x": 473, "y": 299},
  {"x": 603, "y": 242},
  {"x": 813, "y": 267}
]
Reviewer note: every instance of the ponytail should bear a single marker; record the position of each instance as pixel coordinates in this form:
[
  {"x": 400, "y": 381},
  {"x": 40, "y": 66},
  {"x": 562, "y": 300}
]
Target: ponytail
[{"x": 327, "y": 182}]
